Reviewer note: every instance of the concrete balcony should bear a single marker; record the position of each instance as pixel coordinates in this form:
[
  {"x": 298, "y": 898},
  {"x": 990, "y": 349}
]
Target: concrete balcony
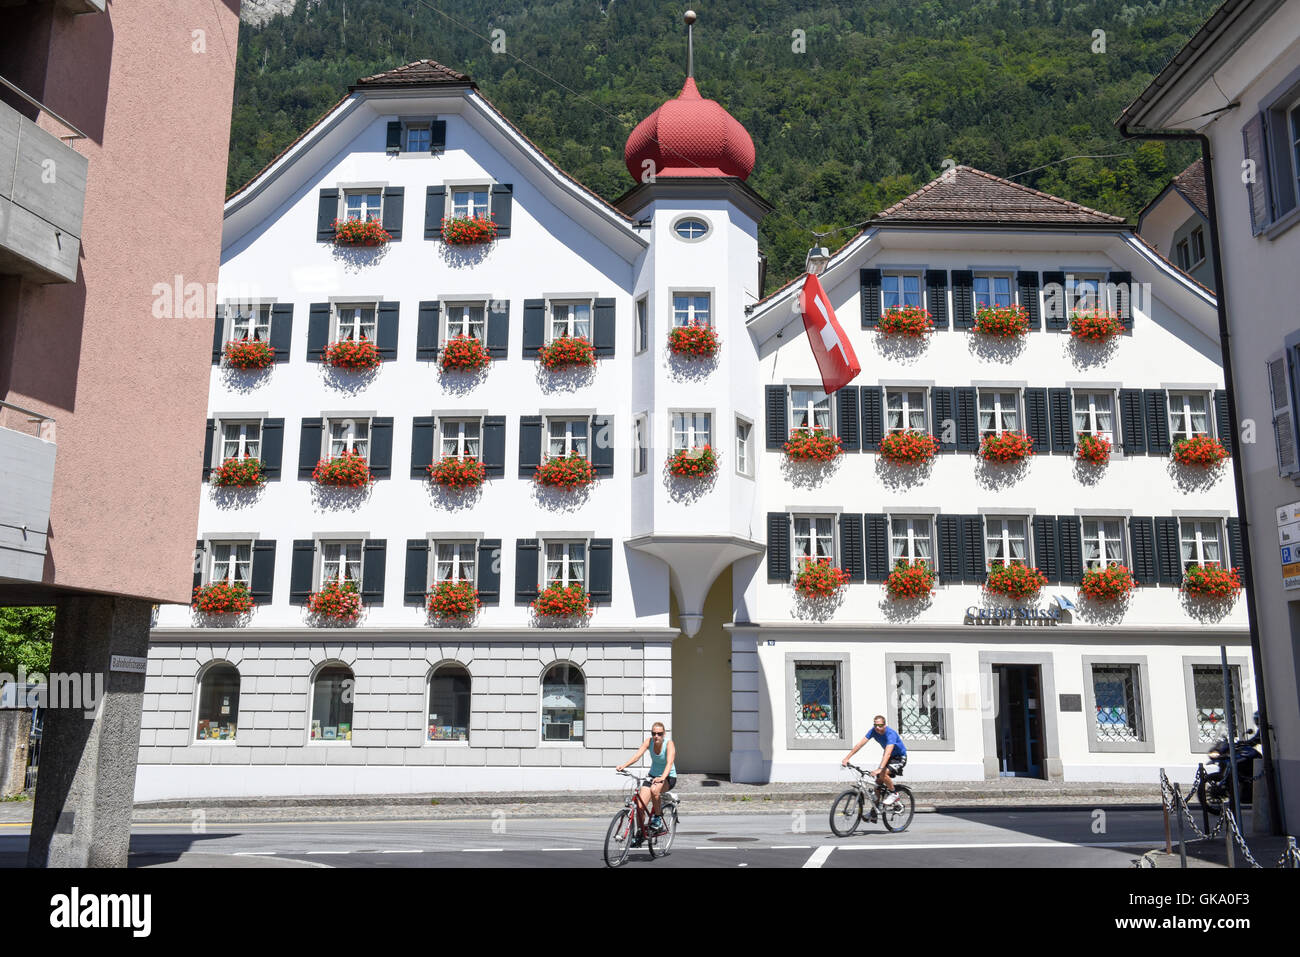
[
  {"x": 42, "y": 197},
  {"x": 26, "y": 487}
]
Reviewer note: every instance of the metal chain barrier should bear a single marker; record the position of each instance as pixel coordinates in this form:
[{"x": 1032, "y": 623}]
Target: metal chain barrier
[
  {"x": 1290, "y": 856},
  {"x": 1236, "y": 836},
  {"x": 1174, "y": 801}
]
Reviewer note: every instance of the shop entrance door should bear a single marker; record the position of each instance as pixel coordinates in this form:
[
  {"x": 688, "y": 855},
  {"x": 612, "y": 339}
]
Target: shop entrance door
[{"x": 1019, "y": 721}]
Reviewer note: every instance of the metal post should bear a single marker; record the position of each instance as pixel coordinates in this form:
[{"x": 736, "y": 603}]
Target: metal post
[
  {"x": 1182, "y": 839},
  {"x": 1164, "y": 807},
  {"x": 1200, "y": 793},
  {"x": 1232, "y": 736}
]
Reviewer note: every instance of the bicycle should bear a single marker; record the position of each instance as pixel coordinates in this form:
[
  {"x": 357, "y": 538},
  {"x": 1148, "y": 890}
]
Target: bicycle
[
  {"x": 849, "y": 809},
  {"x": 627, "y": 826}
]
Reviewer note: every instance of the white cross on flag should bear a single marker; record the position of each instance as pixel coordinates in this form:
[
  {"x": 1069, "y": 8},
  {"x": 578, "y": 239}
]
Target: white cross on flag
[{"x": 835, "y": 357}]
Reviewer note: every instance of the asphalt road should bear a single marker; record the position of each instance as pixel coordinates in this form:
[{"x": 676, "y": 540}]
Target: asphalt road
[{"x": 1023, "y": 837}]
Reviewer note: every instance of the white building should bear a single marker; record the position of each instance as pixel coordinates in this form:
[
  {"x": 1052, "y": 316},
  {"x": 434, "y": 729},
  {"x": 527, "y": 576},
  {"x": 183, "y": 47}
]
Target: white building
[{"x": 695, "y": 621}]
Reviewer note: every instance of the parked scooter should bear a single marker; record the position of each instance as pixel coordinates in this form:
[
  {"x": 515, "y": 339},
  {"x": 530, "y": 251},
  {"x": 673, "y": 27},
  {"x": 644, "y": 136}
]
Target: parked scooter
[{"x": 1246, "y": 752}]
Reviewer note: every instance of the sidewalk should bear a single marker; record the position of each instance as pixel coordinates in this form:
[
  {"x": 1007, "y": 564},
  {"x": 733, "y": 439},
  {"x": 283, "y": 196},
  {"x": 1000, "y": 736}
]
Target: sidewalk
[{"x": 1213, "y": 853}]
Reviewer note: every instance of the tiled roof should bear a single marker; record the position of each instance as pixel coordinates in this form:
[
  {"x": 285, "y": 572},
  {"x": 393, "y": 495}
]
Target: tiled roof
[
  {"x": 1191, "y": 183},
  {"x": 419, "y": 73},
  {"x": 970, "y": 196}
]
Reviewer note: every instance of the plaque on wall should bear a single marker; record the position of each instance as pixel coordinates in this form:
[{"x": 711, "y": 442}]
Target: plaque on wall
[{"x": 1071, "y": 702}]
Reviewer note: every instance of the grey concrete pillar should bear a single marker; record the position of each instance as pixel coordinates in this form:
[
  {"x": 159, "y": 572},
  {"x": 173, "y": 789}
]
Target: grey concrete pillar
[{"x": 86, "y": 786}]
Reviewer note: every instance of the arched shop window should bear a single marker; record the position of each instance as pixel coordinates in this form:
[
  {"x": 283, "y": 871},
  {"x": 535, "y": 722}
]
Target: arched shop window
[
  {"x": 564, "y": 702},
  {"x": 449, "y": 704},
  {"x": 218, "y": 703},
  {"x": 331, "y": 704}
]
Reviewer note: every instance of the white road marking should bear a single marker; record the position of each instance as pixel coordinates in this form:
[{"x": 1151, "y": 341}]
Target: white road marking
[
  {"x": 413, "y": 851},
  {"x": 719, "y": 847},
  {"x": 819, "y": 856},
  {"x": 480, "y": 850},
  {"x": 1009, "y": 844},
  {"x": 249, "y": 853},
  {"x": 790, "y": 847},
  {"x": 561, "y": 848},
  {"x": 328, "y": 852}
]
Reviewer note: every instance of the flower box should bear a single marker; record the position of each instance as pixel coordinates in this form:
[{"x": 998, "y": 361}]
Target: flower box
[
  {"x": 1211, "y": 581},
  {"x": 338, "y": 600},
  {"x": 1002, "y": 322},
  {"x": 1092, "y": 448},
  {"x": 815, "y": 445},
  {"x": 1106, "y": 584},
  {"x": 693, "y": 463},
  {"x": 468, "y": 230},
  {"x": 1007, "y": 447},
  {"x": 1200, "y": 450},
  {"x": 695, "y": 341},
  {"x": 349, "y": 470},
  {"x": 910, "y": 580},
  {"x": 1096, "y": 325},
  {"x": 1015, "y": 581},
  {"x": 249, "y": 354},
  {"x": 453, "y": 599},
  {"x": 569, "y": 472},
  {"x": 354, "y": 354},
  {"x": 905, "y": 321},
  {"x": 458, "y": 473},
  {"x": 557, "y": 601},
  {"x": 910, "y": 447},
  {"x": 819, "y": 579},
  {"x": 223, "y": 598},
  {"x": 359, "y": 232},
  {"x": 567, "y": 351},
  {"x": 239, "y": 473},
  {"x": 464, "y": 354}
]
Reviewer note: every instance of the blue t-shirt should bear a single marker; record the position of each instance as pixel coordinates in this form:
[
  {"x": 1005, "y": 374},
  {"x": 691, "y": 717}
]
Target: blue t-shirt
[{"x": 889, "y": 737}]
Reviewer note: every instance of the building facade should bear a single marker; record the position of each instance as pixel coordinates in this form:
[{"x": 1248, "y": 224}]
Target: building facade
[
  {"x": 1177, "y": 223},
  {"x": 694, "y": 619}
]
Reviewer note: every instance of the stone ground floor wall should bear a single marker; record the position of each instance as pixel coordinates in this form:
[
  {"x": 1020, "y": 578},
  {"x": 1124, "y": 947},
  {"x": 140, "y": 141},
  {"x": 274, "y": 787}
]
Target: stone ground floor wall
[{"x": 628, "y": 684}]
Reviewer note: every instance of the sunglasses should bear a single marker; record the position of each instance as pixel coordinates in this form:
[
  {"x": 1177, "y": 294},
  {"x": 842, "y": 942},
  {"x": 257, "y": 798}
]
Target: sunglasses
[{"x": 657, "y": 734}]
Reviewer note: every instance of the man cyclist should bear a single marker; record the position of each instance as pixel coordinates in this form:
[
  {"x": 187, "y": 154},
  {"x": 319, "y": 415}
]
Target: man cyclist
[
  {"x": 663, "y": 773},
  {"x": 894, "y": 758}
]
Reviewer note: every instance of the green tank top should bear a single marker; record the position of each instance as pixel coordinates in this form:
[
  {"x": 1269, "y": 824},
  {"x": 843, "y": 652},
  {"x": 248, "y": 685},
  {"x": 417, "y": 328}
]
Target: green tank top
[{"x": 657, "y": 761}]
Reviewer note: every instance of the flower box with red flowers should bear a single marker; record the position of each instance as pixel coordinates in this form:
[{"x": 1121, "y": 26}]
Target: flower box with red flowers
[
  {"x": 458, "y": 473},
  {"x": 223, "y": 598},
  {"x": 910, "y": 580},
  {"x": 239, "y": 473},
  {"x": 468, "y": 230},
  {"x": 909, "y": 447},
  {"x": 567, "y": 351},
  {"x": 905, "y": 321},
  {"x": 337, "y": 600},
  {"x": 1106, "y": 584},
  {"x": 819, "y": 579},
  {"x": 249, "y": 354},
  {"x": 1211, "y": 581},
  {"x": 1015, "y": 581},
  {"x": 695, "y": 341},
  {"x": 558, "y": 601},
  {"x": 566, "y": 471},
  {"x": 1199, "y": 450},
  {"x": 693, "y": 463},
  {"x": 353, "y": 354},
  {"x": 813, "y": 445},
  {"x": 360, "y": 232},
  {"x": 816, "y": 712},
  {"x": 464, "y": 354},
  {"x": 453, "y": 599},
  {"x": 349, "y": 470},
  {"x": 1007, "y": 447},
  {"x": 1096, "y": 325},
  {"x": 1092, "y": 448},
  {"x": 1002, "y": 322}
]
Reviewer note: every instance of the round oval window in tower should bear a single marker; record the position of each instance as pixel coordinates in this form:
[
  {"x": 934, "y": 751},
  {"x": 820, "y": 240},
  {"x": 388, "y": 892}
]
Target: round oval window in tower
[{"x": 691, "y": 228}]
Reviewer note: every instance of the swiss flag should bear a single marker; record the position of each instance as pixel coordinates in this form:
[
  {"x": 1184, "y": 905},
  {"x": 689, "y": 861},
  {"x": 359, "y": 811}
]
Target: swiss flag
[{"x": 835, "y": 357}]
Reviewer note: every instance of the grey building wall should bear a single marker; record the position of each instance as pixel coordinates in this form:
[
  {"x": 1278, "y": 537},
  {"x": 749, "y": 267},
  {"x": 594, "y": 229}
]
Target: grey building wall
[{"x": 1204, "y": 273}]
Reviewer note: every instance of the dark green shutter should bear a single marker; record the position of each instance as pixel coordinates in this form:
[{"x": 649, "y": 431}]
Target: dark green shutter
[
  {"x": 281, "y": 338},
  {"x": 851, "y": 546},
  {"x": 1047, "y": 556},
  {"x": 1132, "y": 422},
  {"x": 778, "y": 546},
  {"x": 300, "y": 572},
  {"x": 435, "y": 203},
  {"x": 498, "y": 328},
  {"x": 422, "y": 429},
  {"x": 309, "y": 447},
  {"x": 530, "y": 445},
  {"x": 1223, "y": 419},
  {"x": 1123, "y": 283},
  {"x": 1070, "y": 549},
  {"x": 394, "y": 207},
  {"x": 494, "y": 445},
  {"x": 846, "y": 412},
  {"x": 777, "y": 415},
  {"x": 1169, "y": 556},
  {"x": 318, "y": 330},
  {"x": 1028, "y": 283},
  {"x": 950, "y": 551},
  {"x": 602, "y": 449},
  {"x": 974, "y": 569},
  {"x": 261, "y": 582},
  {"x": 943, "y": 409},
  {"x": 534, "y": 327},
  {"x": 200, "y": 560},
  {"x": 417, "y": 571},
  {"x": 873, "y": 416},
  {"x": 272, "y": 447},
  {"x": 1142, "y": 536},
  {"x": 1055, "y": 314},
  {"x": 936, "y": 296},
  {"x": 869, "y": 281},
  {"x": 219, "y": 335},
  {"x": 1235, "y": 556},
  {"x": 394, "y": 142},
  {"x": 600, "y": 554},
  {"x": 1036, "y": 422},
  {"x": 208, "y": 442},
  {"x": 876, "y": 545},
  {"x": 1157, "y": 409},
  {"x": 526, "y": 552},
  {"x": 1062, "y": 416},
  {"x": 427, "y": 331},
  {"x": 381, "y": 447},
  {"x": 963, "y": 299},
  {"x": 503, "y": 207},
  {"x": 326, "y": 212},
  {"x": 489, "y": 571},
  {"x": 968, "y": 433},
  {"x": 386, "y": 330},
  {"x": 374, "y": 561},
  {"x": 602, "y": 338},
  {"x": 438, "y": 136}
]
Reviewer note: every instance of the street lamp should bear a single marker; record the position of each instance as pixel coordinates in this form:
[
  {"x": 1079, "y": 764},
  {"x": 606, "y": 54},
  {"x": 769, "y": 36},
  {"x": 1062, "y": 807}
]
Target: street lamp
[{"x": 818, "y": 257}]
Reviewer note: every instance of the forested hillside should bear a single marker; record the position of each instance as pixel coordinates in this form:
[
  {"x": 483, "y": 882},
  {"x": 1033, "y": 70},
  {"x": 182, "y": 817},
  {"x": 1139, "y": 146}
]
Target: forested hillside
[{"x": 885, "y": 91}]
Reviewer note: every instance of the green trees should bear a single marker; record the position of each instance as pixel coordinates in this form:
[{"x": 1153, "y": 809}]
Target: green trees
[{"x": 26, "y": 637}]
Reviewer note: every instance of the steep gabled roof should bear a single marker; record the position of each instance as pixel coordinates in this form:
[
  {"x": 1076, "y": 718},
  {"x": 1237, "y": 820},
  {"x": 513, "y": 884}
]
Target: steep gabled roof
[
  {"x": 1191, "y": 183},
  {"x": 966, "y": 196},
  {"x": 418, "y": 73}
]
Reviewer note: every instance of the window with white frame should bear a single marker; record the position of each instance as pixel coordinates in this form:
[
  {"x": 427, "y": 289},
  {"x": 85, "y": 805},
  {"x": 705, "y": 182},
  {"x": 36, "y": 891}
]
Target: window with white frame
[
  {"x": 570, "y": 320},
  {"x": 1089, "y": 293},
  {"x": 817, "y": 706},
  {"x": 566, "y": 564},
  {"x": 454, "y": 562},
  {"x": 464, "y": 319},
  {"x": 691, "y": 308},
  {"x": 250, "y": 323},
  {"x": 564, "y": 702},
  {"x": 814, "y": 539},
  {"x": 1198, "y": 246},
  {"x": 1189, "y": 415},
  {"x": 642, "y": 324},
  {"x": 460, "y": 438},
  {"x": 1200, "y": 542},
  {"x": 691, "y": 228},
  {"x": 904, "y": 410},
  {"x": 1005, "y": 542},
  {"x": 470, "y": 201},
  {"x": 810, "y": 409},
  {"x": 419, "y": 137},
  {"x": 340, "y": 562},
  {"x": 1184, "y": 254},
  {"x": 900, "y": 289},
  {"x": 919, "y": 689},
  {"x": 1209, "y": 704},
  {"x": 241, "y": 440},
  {"x": 910, "y": 539},
  {"x": 640, "y": 445},
  {"x": 999, "y": 411},
  {"x": 744, "y": 461},
  {"x": 993, "y": 289},
  {"x": 363, "y": 204},
  {"x": 354, "y": 321},
  {"x": 231, "y": 562},
  {"x": 1094, "y": 414},
  {"x": 351, "y": 436},
  {"x": 1115, "y": 696},
  {"x": 566, "y": 436},
  {"x": 1103, "y": 542},
  {"x": 692, "y": 430}
]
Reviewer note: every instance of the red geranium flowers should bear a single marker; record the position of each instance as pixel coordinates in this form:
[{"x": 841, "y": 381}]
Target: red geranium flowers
[
  {"x": 819, "y": 579},
  {"x": 1006, "y": 448},
  {"x": 360, "y": 232},
  {"x": 815, "y": 445},
  {"x": 910, "y": 447},
  {"x": 696, "y": 341}
]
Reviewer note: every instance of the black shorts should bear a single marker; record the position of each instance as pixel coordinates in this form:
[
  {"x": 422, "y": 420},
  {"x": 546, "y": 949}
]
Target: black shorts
[
  {"x": 896, "y": 764},
  {"x": 669, "y": 783}
]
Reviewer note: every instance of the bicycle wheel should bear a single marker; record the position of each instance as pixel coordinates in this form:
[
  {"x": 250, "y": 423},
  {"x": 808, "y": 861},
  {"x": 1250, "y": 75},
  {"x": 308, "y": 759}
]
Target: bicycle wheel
[
  {"x": 618, "y": 839},
  {"x": 666, "y": 840},
  {"x": 899, "y": 814},
  {"x": 846, "y": 812}
]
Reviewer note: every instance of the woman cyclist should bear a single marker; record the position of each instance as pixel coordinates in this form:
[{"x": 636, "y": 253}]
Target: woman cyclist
[{"x": 663, "y": 773}]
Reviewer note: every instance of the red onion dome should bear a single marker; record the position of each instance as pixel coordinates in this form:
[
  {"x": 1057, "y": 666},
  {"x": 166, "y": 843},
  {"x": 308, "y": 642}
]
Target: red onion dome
[{"x": 690, "y": 136}]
